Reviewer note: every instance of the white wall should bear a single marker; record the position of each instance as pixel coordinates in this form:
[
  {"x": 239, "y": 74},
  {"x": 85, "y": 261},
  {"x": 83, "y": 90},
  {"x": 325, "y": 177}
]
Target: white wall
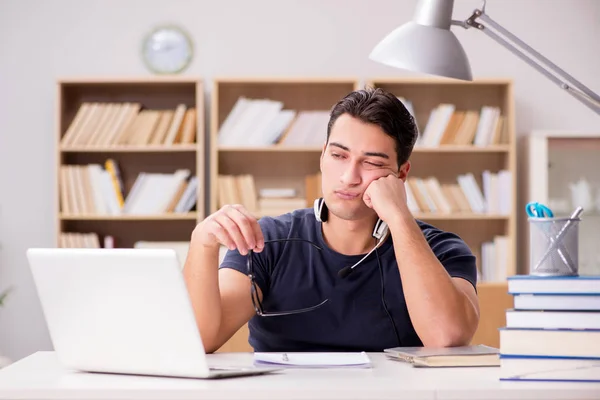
[{"x": 42, "y": 40}]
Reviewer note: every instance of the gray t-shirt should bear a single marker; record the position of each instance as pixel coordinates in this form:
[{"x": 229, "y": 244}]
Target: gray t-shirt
[{"x": 295, "y": 275}]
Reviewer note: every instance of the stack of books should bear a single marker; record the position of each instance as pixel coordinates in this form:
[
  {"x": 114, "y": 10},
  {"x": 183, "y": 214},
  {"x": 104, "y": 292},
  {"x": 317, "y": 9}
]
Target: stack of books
[{"x": 553, "y": 331}]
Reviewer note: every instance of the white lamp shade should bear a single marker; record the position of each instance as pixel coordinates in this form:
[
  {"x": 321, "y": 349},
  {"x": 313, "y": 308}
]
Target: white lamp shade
[{"x": 427, "y": 49}]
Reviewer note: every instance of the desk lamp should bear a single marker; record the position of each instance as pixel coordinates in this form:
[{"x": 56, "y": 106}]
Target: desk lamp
[{"x": 427, "y": 45}]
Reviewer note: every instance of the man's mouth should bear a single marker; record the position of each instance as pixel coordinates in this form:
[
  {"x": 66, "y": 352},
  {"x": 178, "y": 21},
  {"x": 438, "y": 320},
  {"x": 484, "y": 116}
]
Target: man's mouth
[{"x": 346, "y": 195}]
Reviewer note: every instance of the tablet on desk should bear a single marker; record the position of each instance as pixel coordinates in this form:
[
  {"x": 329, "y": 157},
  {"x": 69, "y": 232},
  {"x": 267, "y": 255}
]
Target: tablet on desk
[{"x": 122, "y": 311}]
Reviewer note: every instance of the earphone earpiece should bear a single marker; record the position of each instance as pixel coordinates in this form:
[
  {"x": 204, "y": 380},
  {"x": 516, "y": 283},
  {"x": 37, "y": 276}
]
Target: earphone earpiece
[
  {"x": 380, "y": 231},
  {"x": 320, "y": 209}
]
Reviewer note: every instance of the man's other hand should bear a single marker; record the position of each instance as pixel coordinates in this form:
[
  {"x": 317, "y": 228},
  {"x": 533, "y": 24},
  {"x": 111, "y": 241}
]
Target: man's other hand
[{"x": 231, "y": 226}]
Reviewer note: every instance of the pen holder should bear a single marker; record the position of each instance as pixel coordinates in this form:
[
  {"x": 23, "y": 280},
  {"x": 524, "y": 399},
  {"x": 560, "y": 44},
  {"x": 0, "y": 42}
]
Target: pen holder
[{"x": 554, "y": 246}]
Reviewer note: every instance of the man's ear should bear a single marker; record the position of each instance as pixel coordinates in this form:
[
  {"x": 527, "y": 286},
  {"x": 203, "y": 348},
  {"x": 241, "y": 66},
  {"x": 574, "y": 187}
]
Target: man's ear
[{"x": 403, "y": 171}]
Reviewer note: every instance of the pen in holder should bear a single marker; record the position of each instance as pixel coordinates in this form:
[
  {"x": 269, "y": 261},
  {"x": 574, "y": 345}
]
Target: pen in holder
[{"x": 554, "y": 245}]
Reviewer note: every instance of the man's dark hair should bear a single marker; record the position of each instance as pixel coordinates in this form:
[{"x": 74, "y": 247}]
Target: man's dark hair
[{"x": 379, "y": 107}]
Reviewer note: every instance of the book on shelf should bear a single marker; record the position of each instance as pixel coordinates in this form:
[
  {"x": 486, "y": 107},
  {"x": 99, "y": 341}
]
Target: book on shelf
[
  {"x": 79, "y": 240},
  {"x": 94, "y": 190},
  {"x": 552, "y": 339},
  {"x": 464, "y": 195},
  {"x": 84, "y": 240},
  {"x": 158, "y": 193},
  {"x": 277, "y": 192},
  {"x": 237, "y": 189},
  {"x": 263, "y": 122},
  {"x": 424, "y": 195},
  {"x": 447, "y": 125},
  {"x": 494, "y": 259},
  {"x": 114, "y": 172},
  {"x": 242, "y": 189},
  {"x": 99, "y": 124}
]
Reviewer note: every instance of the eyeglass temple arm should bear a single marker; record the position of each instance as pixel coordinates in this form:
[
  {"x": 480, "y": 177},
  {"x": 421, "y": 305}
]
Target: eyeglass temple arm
[
  {"x": 294, "y": 240},
  {"x": 301, "y": 310}
]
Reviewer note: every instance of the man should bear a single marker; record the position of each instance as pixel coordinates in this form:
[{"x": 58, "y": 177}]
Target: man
[{"x": 416, "y": 289}]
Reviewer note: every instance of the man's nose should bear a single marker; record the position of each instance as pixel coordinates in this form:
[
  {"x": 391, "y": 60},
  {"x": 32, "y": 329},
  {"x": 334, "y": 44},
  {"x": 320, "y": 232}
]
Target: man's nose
[{"x": 351, "y": 175}]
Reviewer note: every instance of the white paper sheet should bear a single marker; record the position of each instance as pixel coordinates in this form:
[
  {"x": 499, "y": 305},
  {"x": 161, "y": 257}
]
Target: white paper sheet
[{"x": 314, "y": 360}]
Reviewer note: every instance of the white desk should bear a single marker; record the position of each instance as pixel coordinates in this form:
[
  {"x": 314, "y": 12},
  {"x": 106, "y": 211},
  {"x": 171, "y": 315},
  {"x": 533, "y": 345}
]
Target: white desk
[{"x": 40, "y": 376}]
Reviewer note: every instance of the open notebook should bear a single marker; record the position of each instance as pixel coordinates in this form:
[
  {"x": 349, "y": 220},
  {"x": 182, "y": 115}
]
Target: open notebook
[
  {"x": 461, "y": 356},
  {"x": 314, "y": 360}
]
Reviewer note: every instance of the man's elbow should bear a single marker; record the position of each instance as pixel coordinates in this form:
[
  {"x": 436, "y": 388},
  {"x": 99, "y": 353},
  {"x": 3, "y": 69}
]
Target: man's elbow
[
  {"x": 210, "y": 347},
  {"x": 452, "y": 336},
  {"x": 210, "y": 341},
  {"x": 447, "y": 341}
]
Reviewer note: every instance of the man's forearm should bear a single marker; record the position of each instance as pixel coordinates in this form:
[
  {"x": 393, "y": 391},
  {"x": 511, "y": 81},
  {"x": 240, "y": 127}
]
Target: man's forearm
[
  {"x": 441, "y": 313},
  {"x": 202, "y": 281}
]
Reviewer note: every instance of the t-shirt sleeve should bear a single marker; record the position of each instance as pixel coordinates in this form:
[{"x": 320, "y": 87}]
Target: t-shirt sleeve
[
  {"x": 454, "y": 254},
  {"x": 261, "y": 262}
]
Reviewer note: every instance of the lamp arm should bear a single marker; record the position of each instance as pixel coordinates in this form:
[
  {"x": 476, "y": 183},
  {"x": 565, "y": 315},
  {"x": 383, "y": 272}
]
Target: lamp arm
[{"x": 577, "y": 89}]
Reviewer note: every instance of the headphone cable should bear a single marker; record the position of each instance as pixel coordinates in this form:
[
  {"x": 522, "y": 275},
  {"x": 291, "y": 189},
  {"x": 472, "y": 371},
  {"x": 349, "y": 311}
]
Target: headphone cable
[{"x": 383, "y": 298}]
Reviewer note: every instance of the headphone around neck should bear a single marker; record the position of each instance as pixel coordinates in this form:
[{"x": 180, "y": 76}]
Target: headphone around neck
[
  {"x": 380, "y": 232},
  {"x": 322, "y": 213}
]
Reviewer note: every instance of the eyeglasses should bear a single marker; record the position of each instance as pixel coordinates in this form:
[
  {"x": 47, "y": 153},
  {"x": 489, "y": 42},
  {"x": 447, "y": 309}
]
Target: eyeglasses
[{"x": 258, "y": 306}]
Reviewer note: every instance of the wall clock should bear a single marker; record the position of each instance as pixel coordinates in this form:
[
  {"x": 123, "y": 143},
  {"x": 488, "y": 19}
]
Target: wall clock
[{"x": 167, "y": 50}]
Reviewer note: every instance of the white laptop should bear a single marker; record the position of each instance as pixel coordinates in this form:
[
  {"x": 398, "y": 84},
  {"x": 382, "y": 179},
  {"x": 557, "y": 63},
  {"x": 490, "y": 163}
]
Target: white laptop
[{"x": 122, "y": 311}]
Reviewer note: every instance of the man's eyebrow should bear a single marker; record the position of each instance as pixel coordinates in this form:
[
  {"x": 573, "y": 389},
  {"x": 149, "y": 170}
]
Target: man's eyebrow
[
  {"x": 376, "y": 154},
  {"x": 341, "y": 146},
  {"x": 367, "y": 153}
]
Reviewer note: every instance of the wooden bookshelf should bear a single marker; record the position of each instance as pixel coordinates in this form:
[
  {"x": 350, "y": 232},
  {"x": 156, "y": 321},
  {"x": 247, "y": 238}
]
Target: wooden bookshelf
[
  {"x": 145, "y": 125},
  {"x": 446, "y": 160}
]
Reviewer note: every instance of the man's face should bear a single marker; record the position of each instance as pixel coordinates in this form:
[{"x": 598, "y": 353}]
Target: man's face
[{"x": 355, "y": 155}]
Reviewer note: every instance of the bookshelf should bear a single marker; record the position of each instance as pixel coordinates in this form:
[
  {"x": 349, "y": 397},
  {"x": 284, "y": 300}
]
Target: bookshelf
[
  {"x": 130, "y": 160},
  {"x": 467, "y": 129}
]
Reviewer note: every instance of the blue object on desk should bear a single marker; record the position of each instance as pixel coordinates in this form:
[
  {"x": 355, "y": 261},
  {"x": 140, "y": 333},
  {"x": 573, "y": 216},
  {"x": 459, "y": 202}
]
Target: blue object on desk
[{"x": 538, "y": 210}]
